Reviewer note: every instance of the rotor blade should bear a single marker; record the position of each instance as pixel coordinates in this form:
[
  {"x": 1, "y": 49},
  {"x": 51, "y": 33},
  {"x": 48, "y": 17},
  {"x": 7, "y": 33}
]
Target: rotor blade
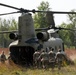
[
  {"x": 21, "y": 9},
  {"x": 56, "y": 12},
  {"x": 25, "y": 10},
  {"x": 39, "y": 29},
  {"x": 64, "y": 29},
  {"x": 9, "y": 6},
  {"x": 9, "y": 13},
  {"x": 58, "y": 28},
  {"x": 4, "y": 32}
]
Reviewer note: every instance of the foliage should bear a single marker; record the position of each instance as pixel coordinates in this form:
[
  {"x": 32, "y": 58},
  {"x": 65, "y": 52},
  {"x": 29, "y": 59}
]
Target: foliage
[
  {"x": 72, "y": 18},
  {"x": 6, "y": 25},
  {"x": 69, "y": 36},
  {"x": 40, "y": 18}
]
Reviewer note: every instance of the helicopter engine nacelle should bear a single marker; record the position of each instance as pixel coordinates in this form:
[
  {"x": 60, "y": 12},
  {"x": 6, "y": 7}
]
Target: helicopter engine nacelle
[
  {"x": 13, "y": 36},
  {"x": 44, "y": 36}
]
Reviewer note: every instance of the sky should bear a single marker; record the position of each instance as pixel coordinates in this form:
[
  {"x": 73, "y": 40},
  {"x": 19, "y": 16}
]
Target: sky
[{"x": 55, "y": 5}]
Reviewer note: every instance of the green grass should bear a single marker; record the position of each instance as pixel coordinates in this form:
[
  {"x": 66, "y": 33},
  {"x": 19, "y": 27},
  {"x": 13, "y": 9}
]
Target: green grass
[
  {"x": 6, "y": 69},
  {"x": 71, "y": 47}
]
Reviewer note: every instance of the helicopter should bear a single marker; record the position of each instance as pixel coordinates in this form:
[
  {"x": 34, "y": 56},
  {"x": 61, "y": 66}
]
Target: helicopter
[{"x": 27, "y": 41}]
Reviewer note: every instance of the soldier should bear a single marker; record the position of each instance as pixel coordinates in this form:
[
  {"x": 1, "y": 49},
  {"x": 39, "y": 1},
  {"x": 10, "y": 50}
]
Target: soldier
[
  {"x": 9, "y": 58},
  {"x": 59, "y": 58},
  {"x": 44, "y": 57},
  {"x": 3, "y": 57},
  {"x": 47, "y": 49},
  {"x": 36, "y": 58},
  {"x": 52, "y": 58},
  {"x": 40, "y": 47}
]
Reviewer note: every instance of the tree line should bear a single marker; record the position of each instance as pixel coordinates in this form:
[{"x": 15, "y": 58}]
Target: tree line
[
  {"x": 7, "y": 25},
  {"x": 67, "y": 36}
]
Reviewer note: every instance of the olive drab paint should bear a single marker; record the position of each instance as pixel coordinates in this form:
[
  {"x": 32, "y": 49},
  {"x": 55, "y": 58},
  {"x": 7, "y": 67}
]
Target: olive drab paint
[{"x": 26, "y": 28}]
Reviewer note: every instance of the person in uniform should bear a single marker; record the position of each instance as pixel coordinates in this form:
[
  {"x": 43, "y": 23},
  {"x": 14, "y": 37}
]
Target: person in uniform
[
  {"x": 52, "y": 58},
  {"x": 3, "y": 57},
  {"x": 47, "y": 49},
  {"x": 36, "y": 58},
  {"x": 44, "y": 58},
  {"x": 59, "y": 58}
]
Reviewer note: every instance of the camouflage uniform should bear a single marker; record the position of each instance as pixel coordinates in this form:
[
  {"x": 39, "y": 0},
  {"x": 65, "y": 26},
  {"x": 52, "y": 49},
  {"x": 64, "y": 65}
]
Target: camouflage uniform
[
  {"x": 59, "y": 58},
  {"x": 36, "y": 58},
  {"x": 44, "y": 57},
  {"x": 3, "y": 57},
  {"x": 52, "y": 59}
]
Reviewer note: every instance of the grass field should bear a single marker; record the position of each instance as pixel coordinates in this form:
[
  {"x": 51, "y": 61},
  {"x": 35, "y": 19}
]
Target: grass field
[{"x": 12, "y": 69}]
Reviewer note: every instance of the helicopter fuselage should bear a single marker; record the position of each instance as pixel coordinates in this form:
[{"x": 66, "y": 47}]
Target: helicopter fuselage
[{"x": 21, "y": 50}]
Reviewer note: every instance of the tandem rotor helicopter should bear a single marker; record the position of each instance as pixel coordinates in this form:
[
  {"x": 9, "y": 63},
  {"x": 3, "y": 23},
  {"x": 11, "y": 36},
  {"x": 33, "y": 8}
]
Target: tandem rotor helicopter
[{"x": 26, "y": 41}]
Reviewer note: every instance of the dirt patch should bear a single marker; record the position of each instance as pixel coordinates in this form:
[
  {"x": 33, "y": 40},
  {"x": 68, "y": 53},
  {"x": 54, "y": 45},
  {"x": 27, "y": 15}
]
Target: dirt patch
[
  {"x": 6, "y": 50},
  {"x": 71, "y": 53}
]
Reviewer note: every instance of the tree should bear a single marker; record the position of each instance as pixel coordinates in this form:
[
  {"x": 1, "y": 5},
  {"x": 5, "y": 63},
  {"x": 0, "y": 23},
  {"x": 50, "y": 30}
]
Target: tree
[
  {"x": 72, "y": 20},
  {"x": 40, "y": 18},
  {"x": 67, "y": 35},
  {"x": 63, "y": 34},
  {"x": 6, "y": 25}
]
